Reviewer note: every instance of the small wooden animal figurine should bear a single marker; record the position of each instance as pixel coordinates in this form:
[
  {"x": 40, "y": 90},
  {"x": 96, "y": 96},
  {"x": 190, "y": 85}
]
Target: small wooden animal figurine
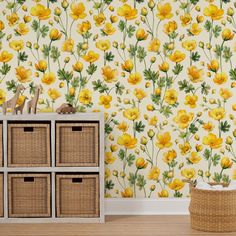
[
  {"x": 11, "y": 103},
  {"x": 32, "y": 104},
  {"x": 20, "y": 108},
  {"x": 66, "y": 108}
]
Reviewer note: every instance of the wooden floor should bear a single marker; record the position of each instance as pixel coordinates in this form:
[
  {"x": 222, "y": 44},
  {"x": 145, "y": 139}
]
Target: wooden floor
[{"x": 114, "y": 226}]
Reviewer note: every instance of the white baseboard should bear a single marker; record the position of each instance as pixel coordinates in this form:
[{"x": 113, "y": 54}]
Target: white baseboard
[{"x": 170, "y": 206}]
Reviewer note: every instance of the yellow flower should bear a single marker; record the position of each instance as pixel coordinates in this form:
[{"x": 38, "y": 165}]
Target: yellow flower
[
  {"x": 53, "y": 94},
  {"x": 212, "y": 141},
  {"x": 189, "y": 45},
  {"x": 186, "y": 19},
  {"x": 217, "y": 113},
  {"x": 99, "y": 19},
  {"x": 213, "y": 12},
  {"x": 127, "y": 12},
  {"x": 170, "y": 27},
  {"x": 48, "y": 78},
  {"x": 12, "y": 19},
  {"x": 153, "y": 121},
  {"x": 77, "y": 11},
  {"x": 226, "y": 163},
  {"x": 169, "y": 156},
  {"x": 141, "y": 163},
  {"x": 2, "y": 26},
  {"x": 195, "y": 30},
  {"x": 164, "y": 11},
  {"x": 109, "y": 158},
  {"x": 109, "y": 74},
  {"x": 107, "y": 173},
  {"x": 185, "y": 148},
  {"x": 91, "y": 57},
  {"x": 141, "y": 34},
  {"x": 85, "y": 96},
  {"x": 41, "y": 12},
  {"x": 135, "y": 78},
  {"x": 68, "y": 45},
  {"x": 209, "y": 126},
  {"x": 5, "y": 56},
  {"x": 213, "y": 65},
  {"x": 177, "y": 56},
  {"x": 128, "y": 193},
  {"x": 131, "y": 113},
  {"x": 188, "y": 173},
  {"x": 194, "y": 74},
  {"x": 154, "y": 173},
  {"x": 17, "y": 45},
  {"x": 123, "y": 126},
  {"x": 78, "y": 66},
  {"x": 191, "y": 100},
  {"x": 41, "y": 66},
  {"x": 154, "y": 45},
  {"x": 220, "y": 78},
  {"x": 54, "y": 34},
  {"x": 127, "y": 141},
  {"x": 171, "y": 96},
  {"x": 2, "y": 96},
  {"x": 105, "y": 100},
  {"x": 20, "y": 100},
  {"x": 183, "y": 118},
  {"x": 23, "y": 75},
  {"x": 194, "y": 158},
  {"x": 176, "y": 184},
  {"x": 227, "y": 34},
  {"x": 108, "y": 29},
  {"x": 103, "y": 45},
  {"x": 84, "y": 27},
  {"x": 225, "y": 93},
  {"x": 139, "y": 94},
  {"x": 163, "y": 193},
  {"x": 128, "y": 65},
  {"x": 22, "y": 29},
  {"x": 164, "y": 140},
  {"x": 164, "y": 66},
  {"x": 234, "y": 175}
]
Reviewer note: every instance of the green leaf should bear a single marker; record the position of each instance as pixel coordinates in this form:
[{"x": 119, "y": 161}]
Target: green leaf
[
  {"x": 2, "y": 35},
  {"x": 109, "y": 56},
  {"x": 35, "y": 25},
  {"x": 11, "y": 85},
  {"x": 156, "y": 99},
  {"x": 141, "y": 53},
  {"x": 108, "y": 129},
  {"x": 91, "y": 69},
  {"x": 55, "y": 53},
  {"x": 185, "y": 86},
  {"x": 130, "y": 159},
  {"x": 193, "y": 128},
  {"x": 226, "y": 179},
  {"x": 217, "y": 177},
  {"x": 22, "y": 56},
  {"x": 119, "y": 88},
  {"x": 141, "y": 182},
  {"x": 5, "y": 69},
  {"x": 44, "y": 30},
  {"x": 208, "y": 25},
  {"x": 177, "y": 69},
  {"x": 121, "y": 154},
  {"x": 205, "y": 88},
  {"x": 45, "y": 50},
  {"x": 166, "y": 111},
  {"x": 21, "y": 1},
  {"x": 139, "y": 126},
  {"x": 194, "y": 2},
  {"x": 64, "y": 75},
  {"x": 100, "y": 86},
  {"x": 130, "y": 31},
  {"x": 224, "y": 126},
  {"x": 151, "y": 75},
  {"x": 207, "y": 154},
  {"x": 195, "y": 56},
  {"x": 227, "y": 54},
  {"x": 32, "y": 88},
  {"x": 216, "y": 31},
  {"x": 132, "y": 178},
  {"x": 121, "y": 25},
  {"x": 215, "y": 159},
  {"x": 232, "y": 74},
  {"x": 109, "y": 184}
]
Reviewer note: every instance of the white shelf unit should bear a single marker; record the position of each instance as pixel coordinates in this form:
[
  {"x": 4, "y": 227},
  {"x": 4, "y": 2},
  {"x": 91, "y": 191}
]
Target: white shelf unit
[{"x": 53, "y": 118}]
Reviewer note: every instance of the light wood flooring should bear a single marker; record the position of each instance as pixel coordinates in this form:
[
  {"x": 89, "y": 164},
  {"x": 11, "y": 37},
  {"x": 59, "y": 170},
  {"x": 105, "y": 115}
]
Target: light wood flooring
[{"x": 114, "y": 226}]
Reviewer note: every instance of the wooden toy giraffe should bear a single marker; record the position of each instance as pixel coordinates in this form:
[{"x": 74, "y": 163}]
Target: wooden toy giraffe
[
  {"x": 20, "y": 108},
  {"x": 11, "y": 103},
  {"x": 32, "y": 104}
]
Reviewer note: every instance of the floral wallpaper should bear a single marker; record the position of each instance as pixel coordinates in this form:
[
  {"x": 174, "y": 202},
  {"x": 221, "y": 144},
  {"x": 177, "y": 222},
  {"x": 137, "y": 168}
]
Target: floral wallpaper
[{"x": 162, "y": 71}]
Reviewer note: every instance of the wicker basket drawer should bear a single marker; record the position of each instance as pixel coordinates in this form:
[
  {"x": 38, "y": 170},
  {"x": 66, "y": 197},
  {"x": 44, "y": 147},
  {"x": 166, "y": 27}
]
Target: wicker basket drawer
[
  {"x": 28, "y": 144},
  {"x": 1, "y": 195},
  {"x": 77, "y": 144},
  {"x": 29, "y": 195},
  {"x": 1, "y": 145},
  {"x": 77, "y": 195}
]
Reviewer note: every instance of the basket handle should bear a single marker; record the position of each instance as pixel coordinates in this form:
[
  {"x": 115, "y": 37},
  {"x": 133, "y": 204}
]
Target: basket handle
[
  {"x": 77, "y": 128},
  {"x": 77, "y": 180},
  {"x": 28, "y": 129}
]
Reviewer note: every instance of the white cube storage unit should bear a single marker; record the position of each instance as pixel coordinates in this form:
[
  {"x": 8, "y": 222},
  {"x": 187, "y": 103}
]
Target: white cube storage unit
[{"x": 52, "y": 168}]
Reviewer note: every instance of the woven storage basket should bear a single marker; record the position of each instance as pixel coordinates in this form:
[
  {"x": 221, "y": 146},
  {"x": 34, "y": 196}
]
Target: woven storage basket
[
  {"x": 213, "y": 210},
  {"x": 29, "y": 195},
  {"x": 1, "y": 145},
  {"x": 77, "y": 144},
  {"x": 77, "y": 195},
  {"x": 28, "y": 145},
  {"x": 1, "y": 195}
]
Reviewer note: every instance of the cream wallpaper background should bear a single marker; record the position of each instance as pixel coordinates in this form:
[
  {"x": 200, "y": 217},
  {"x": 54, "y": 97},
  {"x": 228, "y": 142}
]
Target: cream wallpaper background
[{"x": 162, "y": 71}]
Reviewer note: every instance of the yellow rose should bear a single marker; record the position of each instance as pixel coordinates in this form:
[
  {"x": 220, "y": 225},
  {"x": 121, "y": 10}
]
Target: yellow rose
[
  {"x": 184, "y": 148},
  {"x": 128, "y": 65},
  {"x": 141, "y": 34},
  {"x": 189, "y": 45},
  {"x": 77, "y": 11},
  {"x": 170, "y": 27},
  {"x": 163, "y": 193},
  {"x": 109, "y": 74},
  {"x": 23, "y": 75},
  {"x": 12, "y": 19},
  {"x": 194, "y": 74},
  {"x": 154, "y": 45},
  {"x": 2, "y": 96},
  {"x": 225, "y": 93},
  {"x": 169, "y": 156},
  {"x": 226, "y": 163},
  {"x": 213, "y": 65},
  {"x": 54, "y": 34},
  {"x": 154, "y": 173},
  {"x": 53, "y": 94},
  {"x": 164, "y": 11},
  {"x": 84, "y": 27},
  {"x": 217, "y": 113},
  {"x": 164, "y": 66},
  {"x": 227, "y": 34},
  {"x": 127, "y": 141},
  {"x": 78, "y": 66},
  {"x": 164, "y": 140},
  {"x": 17, "y": 45},
  {"x": 48, "y": 78},
  {"x": 171, "y": 96},
  {"x": 191, "y": 100},
  {"x": 127, "y": 12},
  {"x": 213, "y": 12},
  {"x": 103, "y": 45},
  {"x": 135, "y": 78},
  {"x": 68, "y": 45},
  {"x": 186, "y": 19},
  {"x": 22, "y": 29},
  {"x": 139, "y": 94},
  {"x": 123, "y": 126},
  {"x": 194, "y": 158},
  {"x": 85, "y": 96},
  {"x": 128, "y": 193},
  {"x": 177, "y": 56},
  {"x": 176, "y": 184},
  {"x": 108, "y": 29},
  {"x": 220, "y": 78},
  {"x": 91, "y": 57},
  {"x": 188, "y": 173},
  {"x": 212, "y": 141},
  {"x": 109, "y": 158},
  {"x": 5, "y": 56},
  {"x": 195, "y": 29},
  {"x": 105, "y": 100},
  {"x": 183, "y": 118},
  {"x": 141, "y": 163},
  {"x": 99, "y": 19},
  {"x": 41, "y": 12},
  {"x": 41, "y": 65},
  {"x": 131, "y": 113}
]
